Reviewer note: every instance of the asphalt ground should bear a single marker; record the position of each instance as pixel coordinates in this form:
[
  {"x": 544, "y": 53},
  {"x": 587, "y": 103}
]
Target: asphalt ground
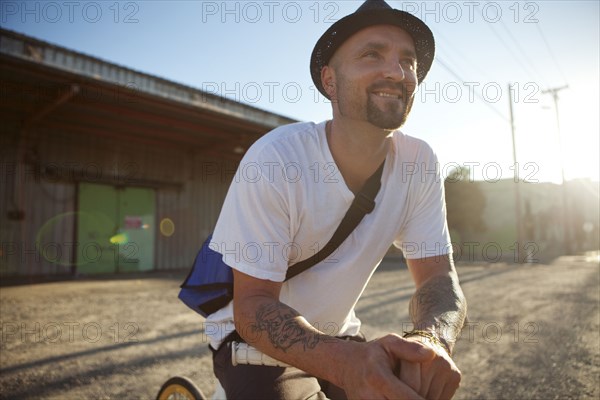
[{"x": 533, "y": 333}]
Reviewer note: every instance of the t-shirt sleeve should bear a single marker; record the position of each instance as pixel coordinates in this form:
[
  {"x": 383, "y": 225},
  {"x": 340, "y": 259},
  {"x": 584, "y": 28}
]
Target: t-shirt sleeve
[
  {"x": 253, "y": 228},
  {"x": 425, "y": 232}
]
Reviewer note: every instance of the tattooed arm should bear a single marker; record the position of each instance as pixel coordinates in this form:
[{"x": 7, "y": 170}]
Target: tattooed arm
[
  {"x": 438, "y": 303},
  {"x": 439, "y": 307},
  {"x": 364, "y": 370}
]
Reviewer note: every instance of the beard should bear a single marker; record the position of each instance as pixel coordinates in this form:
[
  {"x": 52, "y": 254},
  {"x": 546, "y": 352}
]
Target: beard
[
  {"x": 391, "y": 117},
  {"x": 388, "y": 116}
]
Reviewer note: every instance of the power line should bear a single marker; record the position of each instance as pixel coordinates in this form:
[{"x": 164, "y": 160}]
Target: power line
[
  {"x": 551, "y": 53},
  {"x": 525, "y": 56},
  {"x": 510, "y": 50},
  {"x": 451, "y": 71},
  {"x": 456, "y": 50}
]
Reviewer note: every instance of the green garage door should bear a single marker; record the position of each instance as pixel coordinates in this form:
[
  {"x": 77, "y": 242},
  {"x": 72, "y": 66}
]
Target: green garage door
[{"x": 115, "y": 229}]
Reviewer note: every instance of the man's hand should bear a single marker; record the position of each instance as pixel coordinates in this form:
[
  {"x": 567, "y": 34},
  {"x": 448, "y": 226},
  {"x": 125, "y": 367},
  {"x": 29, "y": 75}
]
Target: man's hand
[
  {"x": 373, "y": 372},
  {"x": 434, "y": 379}
]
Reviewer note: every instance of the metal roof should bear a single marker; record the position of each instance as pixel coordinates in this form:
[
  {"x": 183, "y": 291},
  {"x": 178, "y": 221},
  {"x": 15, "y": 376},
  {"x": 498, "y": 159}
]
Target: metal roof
[
  {"x": 37, "y": 51},
  {"x": 47, "y": 85}
]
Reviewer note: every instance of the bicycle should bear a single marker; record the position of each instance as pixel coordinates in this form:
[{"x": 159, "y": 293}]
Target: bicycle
[{"x": 183, "y": 388}]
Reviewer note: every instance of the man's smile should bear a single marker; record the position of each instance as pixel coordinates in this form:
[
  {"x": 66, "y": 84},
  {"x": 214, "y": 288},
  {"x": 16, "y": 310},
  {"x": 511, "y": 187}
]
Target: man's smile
[{"x": 389, "y": 95}]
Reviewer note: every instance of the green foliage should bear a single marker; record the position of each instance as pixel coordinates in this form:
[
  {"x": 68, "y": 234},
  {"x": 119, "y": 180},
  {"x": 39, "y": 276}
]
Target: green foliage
[{"x": 465, "y": 203}]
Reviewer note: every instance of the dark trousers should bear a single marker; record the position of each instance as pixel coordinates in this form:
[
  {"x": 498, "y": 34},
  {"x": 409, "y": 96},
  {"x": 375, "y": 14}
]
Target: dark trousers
[{"x": 264, "y": 382}]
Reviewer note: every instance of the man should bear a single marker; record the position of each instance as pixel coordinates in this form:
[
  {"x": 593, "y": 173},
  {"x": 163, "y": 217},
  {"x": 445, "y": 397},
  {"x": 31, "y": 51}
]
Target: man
[{"x": 368, "y": 64}]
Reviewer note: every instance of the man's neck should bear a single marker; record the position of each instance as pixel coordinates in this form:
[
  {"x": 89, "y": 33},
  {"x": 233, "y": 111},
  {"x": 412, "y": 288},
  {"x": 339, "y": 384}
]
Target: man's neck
[{"x": 358, "y": 149}]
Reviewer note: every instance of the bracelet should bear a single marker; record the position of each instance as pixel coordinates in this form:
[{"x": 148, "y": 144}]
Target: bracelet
[{"x": 432, "y": 337}]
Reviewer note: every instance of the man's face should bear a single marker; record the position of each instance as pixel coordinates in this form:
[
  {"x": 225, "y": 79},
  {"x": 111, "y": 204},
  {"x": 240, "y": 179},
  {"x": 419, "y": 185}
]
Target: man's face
[{"x": 373, "y": 76}]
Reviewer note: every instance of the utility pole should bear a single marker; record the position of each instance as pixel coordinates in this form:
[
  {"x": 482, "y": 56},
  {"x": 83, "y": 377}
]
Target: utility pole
[
  {"x": 517, "y": 180},
  {"x": 565, "y": 213}
]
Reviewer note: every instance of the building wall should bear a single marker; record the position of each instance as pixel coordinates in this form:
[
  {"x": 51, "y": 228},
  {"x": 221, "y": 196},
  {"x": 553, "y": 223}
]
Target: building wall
[
  {"x": 189, "y": 192},
  {"x": 542, "y": 219}
]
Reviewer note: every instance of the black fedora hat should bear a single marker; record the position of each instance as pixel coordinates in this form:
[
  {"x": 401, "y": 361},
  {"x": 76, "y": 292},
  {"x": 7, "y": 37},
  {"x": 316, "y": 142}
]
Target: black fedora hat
[{"x": 372, "y": 12}]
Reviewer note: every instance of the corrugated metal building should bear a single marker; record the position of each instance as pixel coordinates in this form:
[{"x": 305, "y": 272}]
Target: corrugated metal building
[{"x": 106, "y": 169}]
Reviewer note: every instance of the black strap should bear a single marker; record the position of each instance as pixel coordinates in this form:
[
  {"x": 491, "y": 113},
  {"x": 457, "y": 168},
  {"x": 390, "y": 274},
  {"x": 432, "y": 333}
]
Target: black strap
[{"x": 363, "y": 203}]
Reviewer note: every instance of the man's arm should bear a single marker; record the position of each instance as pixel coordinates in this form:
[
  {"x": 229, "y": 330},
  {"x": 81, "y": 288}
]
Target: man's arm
[
  {"x": 364, "y": 370},
  {"x": 438, "y": 306}
]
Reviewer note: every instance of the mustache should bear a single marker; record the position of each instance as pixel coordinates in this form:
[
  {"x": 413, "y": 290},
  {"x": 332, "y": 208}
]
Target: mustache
[{"x": 400, "y": 87}]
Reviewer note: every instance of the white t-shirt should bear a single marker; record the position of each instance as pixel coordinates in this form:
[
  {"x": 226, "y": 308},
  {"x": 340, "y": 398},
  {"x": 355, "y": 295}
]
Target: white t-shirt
[{"x": 286, "y": 200}]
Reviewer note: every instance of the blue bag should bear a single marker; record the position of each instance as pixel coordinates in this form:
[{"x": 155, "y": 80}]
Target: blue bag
[{"x": 209, "y": 285}]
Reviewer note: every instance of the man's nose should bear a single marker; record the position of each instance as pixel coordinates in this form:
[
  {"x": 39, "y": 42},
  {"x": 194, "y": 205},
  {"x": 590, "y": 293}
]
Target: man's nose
[{"x": 395, "y": 71}]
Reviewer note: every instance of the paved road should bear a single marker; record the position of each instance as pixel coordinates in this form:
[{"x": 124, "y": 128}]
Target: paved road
[{"x": 533, "y": 332}]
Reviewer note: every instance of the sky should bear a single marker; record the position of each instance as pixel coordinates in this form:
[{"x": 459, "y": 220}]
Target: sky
[{"x": 257, "y": 52}]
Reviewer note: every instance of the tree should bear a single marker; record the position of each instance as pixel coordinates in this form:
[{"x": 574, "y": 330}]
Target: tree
[{"x": 465, "y": 203}]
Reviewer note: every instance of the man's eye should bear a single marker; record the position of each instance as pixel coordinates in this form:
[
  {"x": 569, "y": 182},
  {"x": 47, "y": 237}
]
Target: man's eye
[
  {"x": 409, "y": 63},
  {"x": 372, "y": 54}
]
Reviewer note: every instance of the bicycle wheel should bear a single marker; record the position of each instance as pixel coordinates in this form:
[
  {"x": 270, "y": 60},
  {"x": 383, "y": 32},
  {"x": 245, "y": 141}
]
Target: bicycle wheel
[{"x": 179, "y": 388}]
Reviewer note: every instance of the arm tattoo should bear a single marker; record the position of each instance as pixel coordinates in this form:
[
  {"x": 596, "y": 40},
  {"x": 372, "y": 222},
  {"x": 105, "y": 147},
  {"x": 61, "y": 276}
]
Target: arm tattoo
[
  {"x": 439, "y": 303},
  {"x": 280, "y": 322}
]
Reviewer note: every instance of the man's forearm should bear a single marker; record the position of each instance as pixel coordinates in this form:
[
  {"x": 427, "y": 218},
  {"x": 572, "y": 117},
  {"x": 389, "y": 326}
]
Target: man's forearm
[
  {"x": 284, "y": 327},
  {"x": 440, "y": 305},
  {"x": 281, "y": 332}
]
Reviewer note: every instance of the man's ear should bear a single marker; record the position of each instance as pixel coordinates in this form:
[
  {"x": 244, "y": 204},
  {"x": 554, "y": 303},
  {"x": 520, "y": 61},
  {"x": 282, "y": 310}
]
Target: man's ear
[{"x": 328, "y": 81}]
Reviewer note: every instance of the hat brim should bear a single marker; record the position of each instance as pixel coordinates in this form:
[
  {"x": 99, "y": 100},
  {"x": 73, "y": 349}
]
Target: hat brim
[{"x": 343, "y": 29}]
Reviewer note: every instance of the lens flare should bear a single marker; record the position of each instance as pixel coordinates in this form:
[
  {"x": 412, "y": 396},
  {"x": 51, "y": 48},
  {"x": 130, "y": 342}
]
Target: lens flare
[
  {"x": 119, "y": 238},
  {"x": 167, "y": 227},
  {"x": 57, "y": 248}
]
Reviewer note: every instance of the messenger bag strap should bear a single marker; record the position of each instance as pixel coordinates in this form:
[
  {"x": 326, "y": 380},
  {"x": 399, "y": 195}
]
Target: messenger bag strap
[{"x": 363, "y": 203}]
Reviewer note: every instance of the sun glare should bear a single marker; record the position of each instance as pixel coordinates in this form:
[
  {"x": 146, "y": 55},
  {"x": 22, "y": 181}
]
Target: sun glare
[{"x": 575, "y": 150}]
